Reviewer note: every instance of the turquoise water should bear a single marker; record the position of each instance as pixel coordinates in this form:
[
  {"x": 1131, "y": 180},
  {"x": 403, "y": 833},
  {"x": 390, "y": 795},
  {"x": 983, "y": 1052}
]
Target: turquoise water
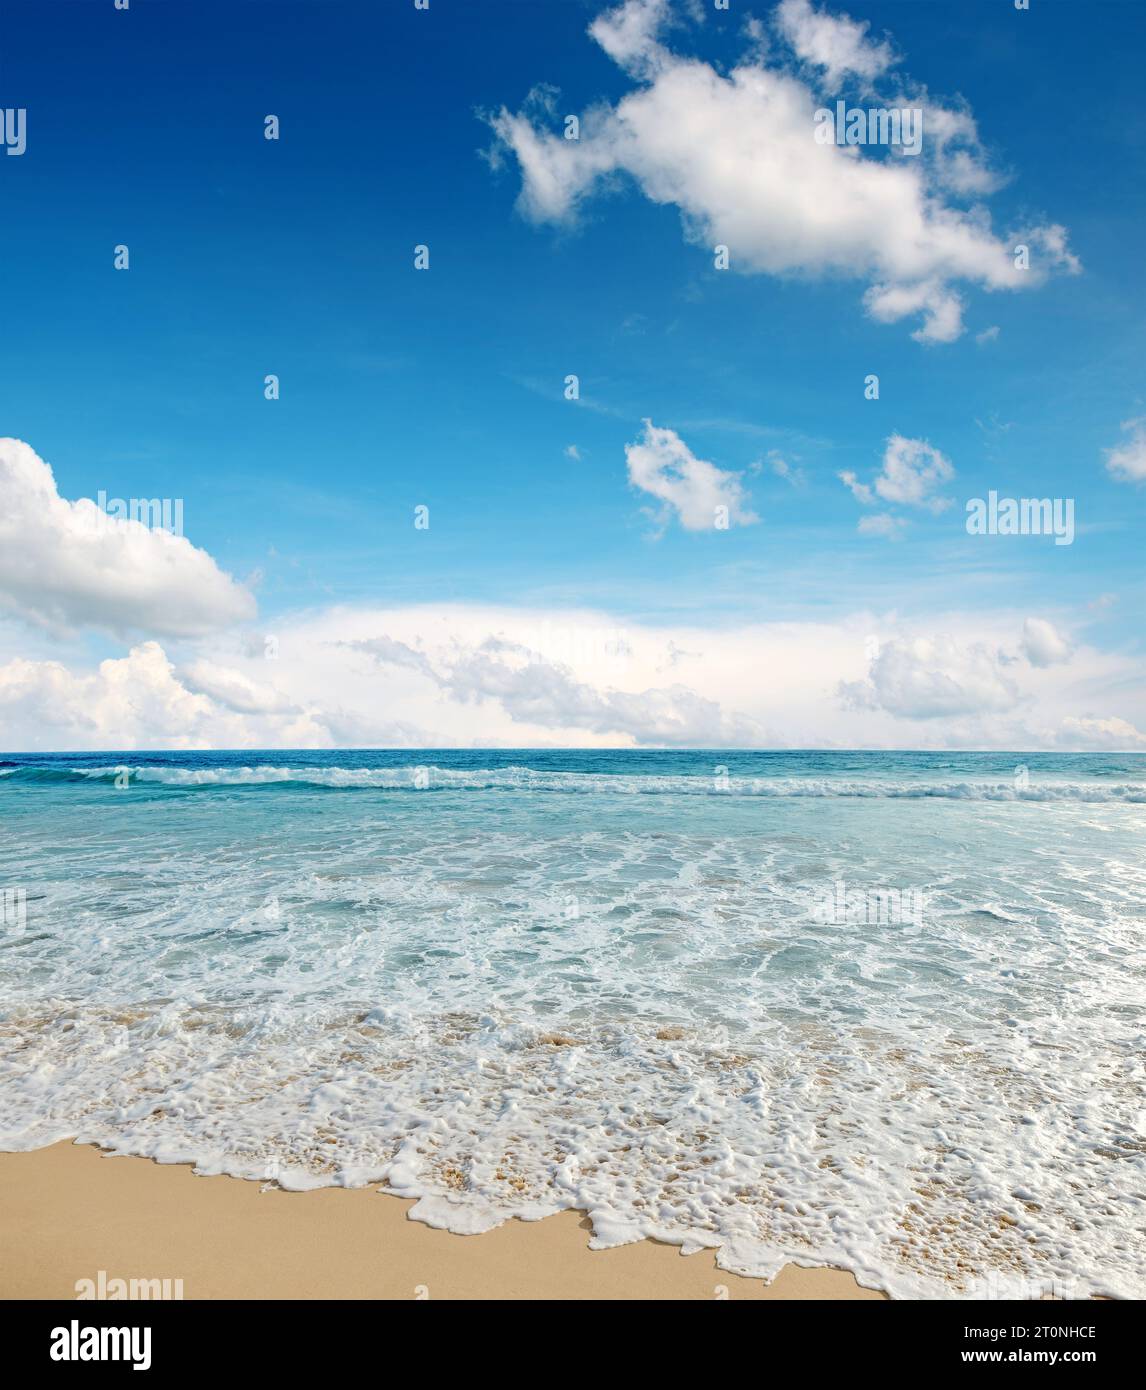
[{"x": 883, "y": 1010}]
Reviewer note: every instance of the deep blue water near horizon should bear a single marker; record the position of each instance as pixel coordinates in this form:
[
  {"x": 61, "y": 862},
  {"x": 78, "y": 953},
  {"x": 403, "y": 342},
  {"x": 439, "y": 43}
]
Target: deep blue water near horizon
[{"x": 878, "y": 1009}]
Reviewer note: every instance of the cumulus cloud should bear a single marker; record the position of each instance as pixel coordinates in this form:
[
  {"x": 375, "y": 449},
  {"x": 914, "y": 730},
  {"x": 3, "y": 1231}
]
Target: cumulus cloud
[
  {"x": 1052, "y": 241},
  {"x": 836, "y": 44},
  {"x": 841, "y": 48},
  {"x": 1042, "y": 644},
  {"x": 138, "y": 701},
  {"x": 534, "y": 690},
  {"x": 934, "y": 677},
  {"x": 66, "y": 565},
  {"x": 392, "y": 652},
  {"x": 509, "y": 679},
  {"x": 628, "y": 34},
  {"x": 233, "y": 689},
  {"x": 1127, "y": 462},
  {"x": 736, "y": 154},
  {"x": 955, "y": 151},
  {"x": 1089, "y": 732},
  {"x": 977, "y": 684},
  {"x": 940, "y": 307},
  {"x": 663, "y": 465},
  {"x": 913, "y": 471},
  {"x": 456, "y": 675}
]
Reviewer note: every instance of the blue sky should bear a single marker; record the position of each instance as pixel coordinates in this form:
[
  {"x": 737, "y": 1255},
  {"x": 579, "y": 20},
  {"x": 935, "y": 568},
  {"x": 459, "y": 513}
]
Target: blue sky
[{"x": 445, "y": 387}]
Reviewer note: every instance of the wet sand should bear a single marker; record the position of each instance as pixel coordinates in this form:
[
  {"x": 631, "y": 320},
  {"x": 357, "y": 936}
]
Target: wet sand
[{"x": 69, "y": 1211}]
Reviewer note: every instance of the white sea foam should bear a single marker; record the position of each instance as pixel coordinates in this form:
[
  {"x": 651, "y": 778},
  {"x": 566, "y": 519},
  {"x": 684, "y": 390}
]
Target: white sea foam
[
  {"x": 432, "y": 778},
  {"x": 773, "y": 1150},
  {"x": 513, "y": 1005}
]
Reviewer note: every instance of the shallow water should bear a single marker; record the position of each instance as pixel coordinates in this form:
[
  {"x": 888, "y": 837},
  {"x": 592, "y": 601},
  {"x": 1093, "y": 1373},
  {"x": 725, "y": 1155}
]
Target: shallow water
[{"x": 879, "y": 1010}]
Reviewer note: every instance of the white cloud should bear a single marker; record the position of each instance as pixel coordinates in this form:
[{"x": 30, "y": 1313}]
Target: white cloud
[
  {"x": 912, "y": 471},
  {"x": 137, "y": 701},
  {"x": 390, "y": 651},
  {"x": 933, "y": 677},
  {"x": 736, "y": 154},
  {"x": 836, "y": 44},
  {"x": 1098, "y": 734},
  {"x": 861, "y": 491},
  {"x": 989, "y": 691},
  {"x": 513, "y": 678},
  {"x": 988, "y": 335},
  {"x": 953, "y": 146},
  {"x": 628, "y": 34},
  {"x": 1052, "y": 240},
  {"x": 663, "y": 465},
  {"x": 233, "y": 689},
  {"x": 881, "y": 524},
  {"x": 1127, "y": 462},
  {"x": 532, "y": 689},
  {"x": 452, "y": 675},
  {"x": 65, "y": 565},
  {"x": 783, "y": 469},
  {"x": 941, "y": 308},
  {"x": 1043, "y": 644}
]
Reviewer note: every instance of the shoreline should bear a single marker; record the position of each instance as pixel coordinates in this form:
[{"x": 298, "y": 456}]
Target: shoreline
[{"x": 69, "y": 1211}]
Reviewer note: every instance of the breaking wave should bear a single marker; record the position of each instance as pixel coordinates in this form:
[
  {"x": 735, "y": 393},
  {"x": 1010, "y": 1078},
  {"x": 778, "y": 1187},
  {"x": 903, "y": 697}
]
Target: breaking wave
[{"x": 432, "y": 778}]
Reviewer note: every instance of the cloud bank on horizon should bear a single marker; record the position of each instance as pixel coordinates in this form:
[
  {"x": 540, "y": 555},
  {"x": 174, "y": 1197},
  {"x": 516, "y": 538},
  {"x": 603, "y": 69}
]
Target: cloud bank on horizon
[{"x": 465, "y": 675}]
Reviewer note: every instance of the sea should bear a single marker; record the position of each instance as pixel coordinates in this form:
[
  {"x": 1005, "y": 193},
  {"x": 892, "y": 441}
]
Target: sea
[{"x": 878, "y": 1010}]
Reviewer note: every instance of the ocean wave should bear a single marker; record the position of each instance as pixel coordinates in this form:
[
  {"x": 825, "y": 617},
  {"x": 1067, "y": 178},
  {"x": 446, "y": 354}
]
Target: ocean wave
[
  {"x": 432, "y": 778},
  {"x": 502, "y": 1006},
  {"x": 768, "y": 1153}
]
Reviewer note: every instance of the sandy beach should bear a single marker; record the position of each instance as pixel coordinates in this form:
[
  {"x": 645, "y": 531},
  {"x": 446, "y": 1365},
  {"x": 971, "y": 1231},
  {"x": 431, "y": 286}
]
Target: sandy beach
[{"x": 68, "y": 1211}]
